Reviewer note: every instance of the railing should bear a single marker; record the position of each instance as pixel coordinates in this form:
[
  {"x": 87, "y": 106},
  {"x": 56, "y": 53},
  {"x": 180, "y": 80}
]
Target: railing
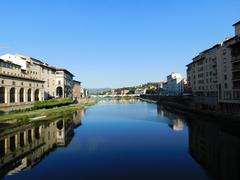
[
  {"x": 235, "y": 59},
  {"x": 232, "y": 95},
  {"x": 235, "y": 68}
]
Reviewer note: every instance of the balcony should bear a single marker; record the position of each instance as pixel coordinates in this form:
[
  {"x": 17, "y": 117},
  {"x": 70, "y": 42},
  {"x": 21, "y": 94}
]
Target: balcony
[
  {"x": 235, "y": 59},
  {"x": 236, "y": 79},
  {"x": 236, "y": 69}
]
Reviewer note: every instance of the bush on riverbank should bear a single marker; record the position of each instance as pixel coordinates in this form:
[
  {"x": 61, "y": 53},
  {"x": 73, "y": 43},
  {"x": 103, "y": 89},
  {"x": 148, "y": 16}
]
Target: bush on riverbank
[
  {"x": 53, "y": 103},
  {"x": 50, "y": 113}
]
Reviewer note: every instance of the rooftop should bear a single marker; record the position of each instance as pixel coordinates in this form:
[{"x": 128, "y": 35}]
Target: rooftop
[
  {"x": 8, "y": 62},
  {"x": 237, "y": 23},
  {"x": 61, "y": 69}
]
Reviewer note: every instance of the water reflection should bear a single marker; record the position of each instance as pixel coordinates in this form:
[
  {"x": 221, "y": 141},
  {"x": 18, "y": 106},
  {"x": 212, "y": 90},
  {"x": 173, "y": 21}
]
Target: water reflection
[
  {"x": 174, "y": 121},
  {"x": 24, "y": 146},
  {"x": 122, "y": 142},
  {"x": 216, "y": 146},
  {"x": 118, "y": 101}
]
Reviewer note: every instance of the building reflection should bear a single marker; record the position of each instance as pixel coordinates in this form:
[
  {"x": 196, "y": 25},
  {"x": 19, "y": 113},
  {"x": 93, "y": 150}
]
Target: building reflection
[
  {"x": 118, "y": 101},
  {"x": 22, "y": 147},
  {"x": 216, "y": 147},
  {"x": 174, "y": 121}
]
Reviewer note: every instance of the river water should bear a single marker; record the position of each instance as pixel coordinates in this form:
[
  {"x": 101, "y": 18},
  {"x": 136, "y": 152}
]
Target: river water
[{"x": 119, "y": 140}]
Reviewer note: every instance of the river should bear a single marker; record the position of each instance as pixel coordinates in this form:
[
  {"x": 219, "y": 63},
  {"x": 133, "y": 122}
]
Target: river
[{"x": 119, "y": 140}]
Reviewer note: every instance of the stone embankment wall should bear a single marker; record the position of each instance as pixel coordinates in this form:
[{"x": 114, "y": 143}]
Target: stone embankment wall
[{"x": 191, "y": 104}]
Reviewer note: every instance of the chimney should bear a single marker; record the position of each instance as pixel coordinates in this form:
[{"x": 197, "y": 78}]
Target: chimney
[{"x": 237, "y": 28}]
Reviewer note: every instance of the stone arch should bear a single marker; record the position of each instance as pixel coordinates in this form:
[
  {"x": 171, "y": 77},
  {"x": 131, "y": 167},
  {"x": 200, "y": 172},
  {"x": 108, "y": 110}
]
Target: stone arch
[
  {"x": 36, "y": 95},
  {"x": 60, "y": 125},
  {"x": 12, "y": 143},
  {"x": 37, "y": 133},
  {"x": 29, "y": 95},
  {"x": 21, "y": 95},
  {"x": 29, "y": 135},
  {"x": 2, "y": 147},
  {"x": 12, "y": 95},
  {"x": 22, "y": 139},
  {"x": 2, "y": 95},
  {"x": 59, "y": 92}
]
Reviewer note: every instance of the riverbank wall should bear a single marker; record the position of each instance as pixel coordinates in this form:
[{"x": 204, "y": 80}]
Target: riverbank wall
[
  {"x": 31, "y": 106},
  {"x": 191, "y": 105}
]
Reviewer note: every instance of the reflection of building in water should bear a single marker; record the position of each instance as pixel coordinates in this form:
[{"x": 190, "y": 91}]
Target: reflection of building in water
[
  {"x": 77, "y": 117},
  {"x": 119, "y": 101},
  {"x": 216, "y": 149},
  {"x": 177, "y": 125},
  {"x": 24, "y": 146},
  {"x": 64, "y": 132},
  {"x": 174, "y": 121}
]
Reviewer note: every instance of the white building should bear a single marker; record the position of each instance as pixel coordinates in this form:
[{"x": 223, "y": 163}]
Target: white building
[
  {"x": 174, "y": 85},
  {"x": 140, "y": 91}
]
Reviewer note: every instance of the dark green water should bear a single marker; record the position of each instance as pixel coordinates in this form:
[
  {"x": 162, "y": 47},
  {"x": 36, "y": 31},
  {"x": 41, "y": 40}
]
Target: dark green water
[{"x": 119, "y": 140}]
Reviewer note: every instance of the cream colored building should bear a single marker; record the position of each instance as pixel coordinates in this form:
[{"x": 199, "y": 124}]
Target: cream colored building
[
  {"x": 64, "y": 83},
  {"x": 215, "y": 73},
  {"x": 16, "y": 88},
  {"x": 57, "y": 83}
]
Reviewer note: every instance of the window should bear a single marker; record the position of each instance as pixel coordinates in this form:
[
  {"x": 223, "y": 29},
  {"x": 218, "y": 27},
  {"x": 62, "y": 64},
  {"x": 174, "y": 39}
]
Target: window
[
  {"x": 224, "y": 60},
  {"x": 226, "y": 85},
  {"x": 225, "y": 77},
  {"x": 224, "y": 51},
  {"x": 225, "y": 68}
]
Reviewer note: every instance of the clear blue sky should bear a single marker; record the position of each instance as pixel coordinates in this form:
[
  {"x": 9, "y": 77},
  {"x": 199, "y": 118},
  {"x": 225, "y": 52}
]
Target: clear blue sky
[{"x": 115, "y": 43}]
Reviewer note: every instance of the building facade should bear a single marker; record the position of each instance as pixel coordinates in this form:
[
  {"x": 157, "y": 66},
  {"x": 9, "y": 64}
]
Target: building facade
[
  {"x": 16, "y": 88},
  {"x": 174, "y": 86},
  {"x": 64, "y": 86},
  {"x": 29, "y": 80},
  {"x": 77, "y": 92},
  {"x": 215, "y": 73}
]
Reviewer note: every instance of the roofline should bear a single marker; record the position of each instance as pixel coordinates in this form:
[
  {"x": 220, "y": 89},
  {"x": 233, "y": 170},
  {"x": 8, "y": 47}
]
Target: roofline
[
  {"x": 77, "y": 81},
  {"x": 230, "y": 39},
  {"x": 215, "y": 46},
  {"x": 236, "y": 23},
  {"x": 50, "y": 67},
  {"x": 9, "y": 62},
  {"x": 60, "y": 69}
]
